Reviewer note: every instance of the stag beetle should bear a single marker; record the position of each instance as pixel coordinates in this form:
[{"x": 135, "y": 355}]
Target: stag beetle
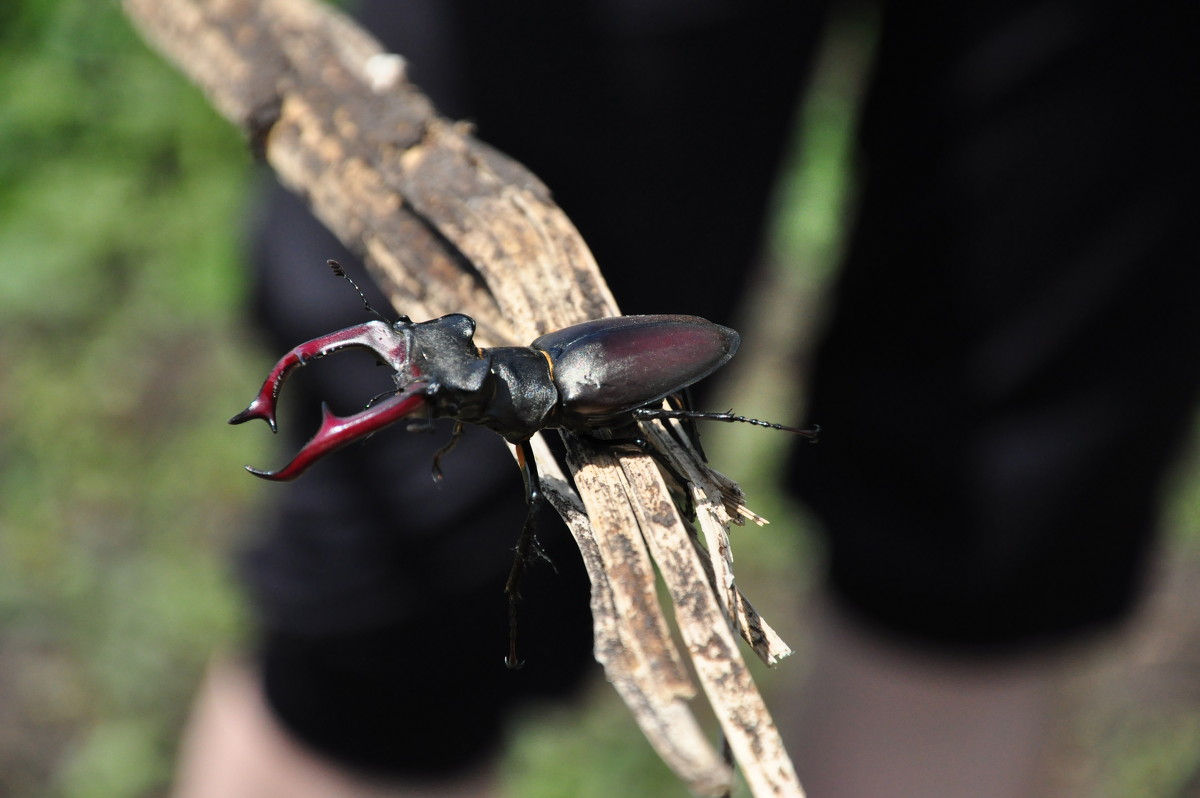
[{"x": 596, "y": 379}]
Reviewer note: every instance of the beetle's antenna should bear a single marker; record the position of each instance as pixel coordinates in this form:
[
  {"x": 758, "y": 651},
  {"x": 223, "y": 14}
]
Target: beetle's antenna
[
  {"x": 340, "y": 272},
  {"x": 645, "y": 413}
]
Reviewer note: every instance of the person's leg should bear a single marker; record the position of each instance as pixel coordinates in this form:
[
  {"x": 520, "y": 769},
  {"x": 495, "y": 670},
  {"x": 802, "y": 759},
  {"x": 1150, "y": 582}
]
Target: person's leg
[
  {"x": 1011, "y": 365},
  {"x": 882, "y": 719},
  {"x": 234, "y": 747},
  {"x": 1013, "y": 354}
]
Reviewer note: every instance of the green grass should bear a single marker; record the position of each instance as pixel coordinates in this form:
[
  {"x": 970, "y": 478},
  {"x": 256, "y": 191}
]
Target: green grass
[
  {"x": 121, "y": 204},
  {"x": 123, "y": 350}
]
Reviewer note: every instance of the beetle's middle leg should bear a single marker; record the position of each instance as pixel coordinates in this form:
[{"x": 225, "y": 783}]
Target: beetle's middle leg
[{"x": 526, "y": 545}]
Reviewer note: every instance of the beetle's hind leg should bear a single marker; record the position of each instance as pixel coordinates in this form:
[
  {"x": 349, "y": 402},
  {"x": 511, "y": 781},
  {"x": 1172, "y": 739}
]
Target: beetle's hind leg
[
  {"x": 682, "y": 402},
  {"x": 635, "y": 442},
  {"x": 647, "y": 413}
]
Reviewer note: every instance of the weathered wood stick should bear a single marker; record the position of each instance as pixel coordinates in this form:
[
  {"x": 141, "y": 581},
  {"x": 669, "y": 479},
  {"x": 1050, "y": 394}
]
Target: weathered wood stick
[{"x": 447, "y": 224}]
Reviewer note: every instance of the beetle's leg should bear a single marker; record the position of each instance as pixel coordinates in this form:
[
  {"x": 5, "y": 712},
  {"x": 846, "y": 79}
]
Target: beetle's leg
[
  {"x": 381, "y": 338},
  {"x": 445, "y": 450},
  {"x": 337, "y": 431},
  {"x": 644, "y": 413},
  {"x": 727, "y": 758},
  {"x": 525, "y": 545},
  {"x": 682, "y": 401}
]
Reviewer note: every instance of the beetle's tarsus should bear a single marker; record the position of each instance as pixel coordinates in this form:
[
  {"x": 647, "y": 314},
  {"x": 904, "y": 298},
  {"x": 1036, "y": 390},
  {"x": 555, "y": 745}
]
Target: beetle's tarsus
[
  {"x": 536, "y": 551},
  {"x": 648, "y": 413},
  {"x": 445, "y": 450}
]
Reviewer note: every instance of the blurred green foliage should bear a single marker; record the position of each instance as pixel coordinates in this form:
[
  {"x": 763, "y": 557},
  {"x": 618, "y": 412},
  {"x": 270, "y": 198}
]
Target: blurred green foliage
[{"x": 121, "y": 204}]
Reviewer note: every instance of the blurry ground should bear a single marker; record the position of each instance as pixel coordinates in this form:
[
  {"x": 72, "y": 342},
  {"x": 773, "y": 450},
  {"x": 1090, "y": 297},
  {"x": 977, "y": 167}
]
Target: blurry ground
[{"x": 123, "y": 350}]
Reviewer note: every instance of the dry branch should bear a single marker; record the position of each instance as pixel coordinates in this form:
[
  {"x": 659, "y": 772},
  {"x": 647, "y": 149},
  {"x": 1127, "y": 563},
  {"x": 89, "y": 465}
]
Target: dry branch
[{"x": 447, "y": 224}]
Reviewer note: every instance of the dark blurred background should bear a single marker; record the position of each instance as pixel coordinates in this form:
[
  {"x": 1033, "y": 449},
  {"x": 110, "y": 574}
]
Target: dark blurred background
[{"x": 124, "y": 346}]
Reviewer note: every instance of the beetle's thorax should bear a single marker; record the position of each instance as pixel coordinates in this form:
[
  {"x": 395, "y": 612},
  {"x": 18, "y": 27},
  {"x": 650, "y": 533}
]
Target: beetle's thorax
[
  {"x": 520, "y": 397},
  {"x": 508, "y": 389}
]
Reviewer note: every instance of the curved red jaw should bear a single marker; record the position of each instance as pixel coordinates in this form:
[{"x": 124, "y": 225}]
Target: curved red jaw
[{"x": 390, "y": 345}]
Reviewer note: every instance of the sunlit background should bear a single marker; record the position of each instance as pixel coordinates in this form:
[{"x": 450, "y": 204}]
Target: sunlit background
[{"x": 124, "y": 347}]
